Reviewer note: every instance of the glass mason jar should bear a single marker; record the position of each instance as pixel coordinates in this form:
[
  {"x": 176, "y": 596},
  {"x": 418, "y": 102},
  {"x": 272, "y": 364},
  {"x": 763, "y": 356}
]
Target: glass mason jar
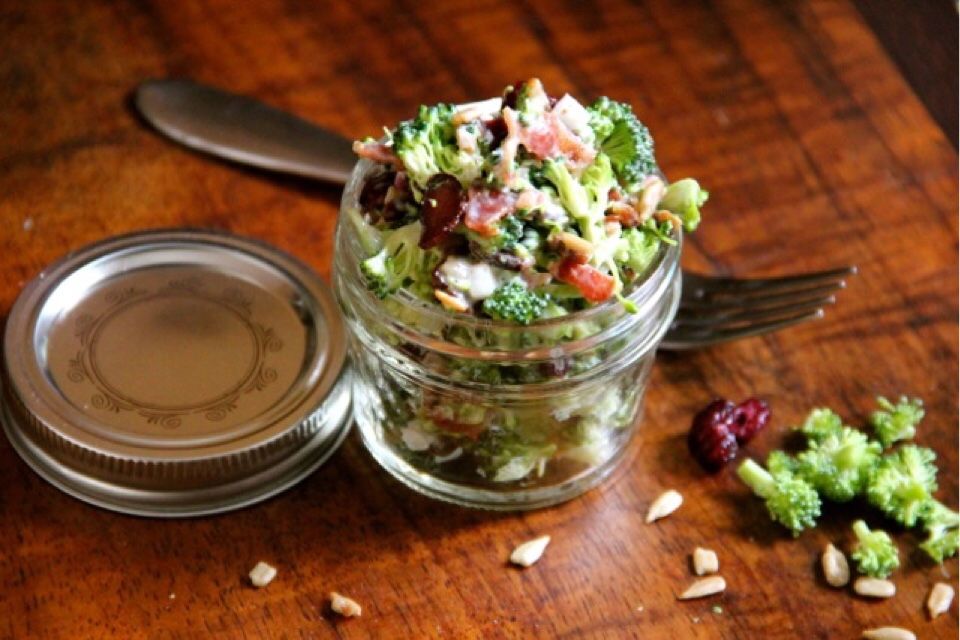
[{"x": 490, "y": 414}]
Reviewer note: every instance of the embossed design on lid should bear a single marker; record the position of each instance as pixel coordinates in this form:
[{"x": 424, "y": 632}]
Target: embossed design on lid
[{"x": 175, "y": 373}]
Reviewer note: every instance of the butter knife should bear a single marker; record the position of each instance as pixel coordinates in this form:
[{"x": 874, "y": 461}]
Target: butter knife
[{"x": 243, "y": 130}]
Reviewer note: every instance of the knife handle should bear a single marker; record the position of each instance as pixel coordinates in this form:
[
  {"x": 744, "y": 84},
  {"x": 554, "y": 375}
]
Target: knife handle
[{"x": 244, "y": 130}]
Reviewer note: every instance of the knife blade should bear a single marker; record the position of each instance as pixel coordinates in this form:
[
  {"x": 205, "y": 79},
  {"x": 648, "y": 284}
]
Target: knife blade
[{"x": 243, "y": 130}]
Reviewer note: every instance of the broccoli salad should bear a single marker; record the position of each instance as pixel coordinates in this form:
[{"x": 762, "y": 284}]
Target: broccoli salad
[
  {"x": 515, "y": 210},
  {"x": 519, "y": 208}
]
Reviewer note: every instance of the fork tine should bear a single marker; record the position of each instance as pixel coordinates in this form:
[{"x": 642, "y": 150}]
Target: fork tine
[
  {"x": 681, "y": 339},
  {"x": 785, "y": 283},
  {"x": 727, "y": 318},
  {"x": 759, "y": 300}
]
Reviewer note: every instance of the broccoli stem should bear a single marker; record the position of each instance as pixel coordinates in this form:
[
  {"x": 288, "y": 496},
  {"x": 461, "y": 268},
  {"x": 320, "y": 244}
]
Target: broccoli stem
[
  {"x": 861, "y": 530},
  {"x": 756, "y": 477}
]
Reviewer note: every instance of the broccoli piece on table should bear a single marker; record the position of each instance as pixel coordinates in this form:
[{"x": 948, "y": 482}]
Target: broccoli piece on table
[
  {"x": 902, "y": 484},
  {"x": 821, "y": 423},
  {"x": 875, "y": 553},
  {"x": 791, "y": 501},
  {"x": 399, "y": 263},
  {"x": 941, "y": 524},
  {"x": 624, "y": 138},
  {"x": 514, "y": 302},
  {"x": 839, "y": 465},
  {"x": 893, "y": 422},
  {"x": 781, "y": 462},
  {"x": 684, "y": 198}
]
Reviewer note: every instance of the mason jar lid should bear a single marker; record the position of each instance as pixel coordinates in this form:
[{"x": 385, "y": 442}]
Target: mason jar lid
[{"x": 175, "y": 373}]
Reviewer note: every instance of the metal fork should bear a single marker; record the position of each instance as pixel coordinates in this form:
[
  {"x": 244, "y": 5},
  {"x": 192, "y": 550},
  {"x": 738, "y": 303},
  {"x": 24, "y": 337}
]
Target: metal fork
[{"x": 716, "y": 309}]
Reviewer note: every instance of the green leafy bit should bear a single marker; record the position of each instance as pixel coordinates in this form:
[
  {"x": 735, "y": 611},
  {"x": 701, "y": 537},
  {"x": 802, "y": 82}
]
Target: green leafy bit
[
  {"x": 875, "y": 554},
  {"x": 399, "y": 263},
  {"x": 624, "y": 139},
  {"x": 894, "y": 422},
  {"x": 941, "y": 524},
  {"x": 684, "y": 199},
  {"x": 820, "y": 423},
  {"x": 791, "y": 501},
  {"x": 839, "y": 464},
  {"x": 427, "y": 146},
  {"x": 781, "y": 462},
  {"x": 903, "y": 482},
  {"x": 514, "y": 302}
]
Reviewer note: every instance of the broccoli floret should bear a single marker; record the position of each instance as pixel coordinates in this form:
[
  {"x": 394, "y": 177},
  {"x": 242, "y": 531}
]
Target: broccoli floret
[
  {"x": 781, "y": 462},
  {"x": 875, "y": 553},
  {"x": 427, "y": 146},
  {"x": 684, "y": 198},
  {"x": 510, "y": 231},
  {"x": 791, "y": 501},
  {"x": 821, "y": 423},
  {"x": 400, "y": 263},
  {"x": 893, "y": 422},
  {"x": 902, "y": 484},
  {"x": 573, "y": 196},
  {"x": 636, "y": 250},
  {"x": 941, "y": 524},
  {"x": 624, "y": 138},
  {"x": 514, "y": 302},
  {"x": 839, "y": 465}
]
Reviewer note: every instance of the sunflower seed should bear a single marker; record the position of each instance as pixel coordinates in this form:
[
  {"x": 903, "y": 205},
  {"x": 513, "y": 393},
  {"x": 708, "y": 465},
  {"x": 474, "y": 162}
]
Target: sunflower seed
[
  {"x": 888, "y": 633},
  {"x": 704, "y": 587},
  {"x": 667, "y": 503},
  {"x": 262, "y": 574},
  {"x": 530, "y": 551},
  {"x": 940, "y": 598},
  {"x": 705, "y": 561},
  {"x": 344, "y": 605},
  {"x": 835, "y": 567},
  {"x": 874, "y": 587}
]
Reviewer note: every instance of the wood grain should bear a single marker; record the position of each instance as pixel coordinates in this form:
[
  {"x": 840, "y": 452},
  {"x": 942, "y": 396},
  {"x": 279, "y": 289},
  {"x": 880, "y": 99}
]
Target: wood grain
[{"x": 816, "y": 151}]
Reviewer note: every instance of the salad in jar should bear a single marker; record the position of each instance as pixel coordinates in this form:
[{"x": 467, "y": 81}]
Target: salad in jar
[{"x": 524, "y": 219}]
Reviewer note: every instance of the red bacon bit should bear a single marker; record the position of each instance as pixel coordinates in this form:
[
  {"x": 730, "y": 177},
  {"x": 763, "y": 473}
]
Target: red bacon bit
[
  {"x": 377, "y": 152},
  {"x": 442, "y": 209},
  {"x": 593, "y": 284},
  {"x": 485, "y": 208},
  {"x": 578, "y": 153},
  {"x": 540, "y": 140}
]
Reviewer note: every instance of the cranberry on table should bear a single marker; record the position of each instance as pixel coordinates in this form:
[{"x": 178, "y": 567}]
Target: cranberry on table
[{"x": 719, "y": 427}]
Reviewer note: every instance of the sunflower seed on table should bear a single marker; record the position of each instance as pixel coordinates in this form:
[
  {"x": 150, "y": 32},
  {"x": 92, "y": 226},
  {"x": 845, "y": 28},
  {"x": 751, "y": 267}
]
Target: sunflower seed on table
[
  {"x": 664, "y": 505},
  {"x": 704, "y": 587},
  {"x": 262, "y": 574},
  {"x": 835, "y": 567},
  {"x": 888, "y": 633},
  {"x": 874, "y": 587},
  {"x": 344, "y": 606},
  {"x": 530, "y": 551},
  {"x": 705, "y": 561},
  {"x": 939, "y": 600}
]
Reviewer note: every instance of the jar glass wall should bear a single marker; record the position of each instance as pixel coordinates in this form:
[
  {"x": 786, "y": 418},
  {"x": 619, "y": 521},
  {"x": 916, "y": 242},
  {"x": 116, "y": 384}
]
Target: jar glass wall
[{"x": 490, "y": 414}]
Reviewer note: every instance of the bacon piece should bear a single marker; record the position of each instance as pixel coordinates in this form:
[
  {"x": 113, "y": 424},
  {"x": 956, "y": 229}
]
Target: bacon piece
[
  {"x": 377, "y": 152},
  {"x": 593, "y": 284},
  {"x": 442, "y": 209},
  {"x": 579, "y": 154},
  {"x": 485, "y": 208},
  {"x": 540, "y": 139}
]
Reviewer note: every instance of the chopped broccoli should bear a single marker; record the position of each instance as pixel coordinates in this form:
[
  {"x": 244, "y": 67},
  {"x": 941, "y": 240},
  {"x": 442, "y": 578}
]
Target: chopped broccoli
[
  {"x": 821, "y": 423},
  {"x": 875, "y": 553},
  {"x": 902, "y": 484},
  {"x": 575, "y": 199},
  {"x": 684, "y": 198},
  {"x": 624, "y": 138},
  {"x": 636, "y": 250},
  {"x": 941, "y": 524},
  {"x": 400, "y": 263},
  {"x": 839, "y": 465},
  {"x": 893, "y": 422},
  {"x": 781, "y": 462},
  {"x": 791, "y": 501},
  {"x": 510, "y": 232},
  {"x": 427, "y": 146},
  {"x": 514, "y": 302}
]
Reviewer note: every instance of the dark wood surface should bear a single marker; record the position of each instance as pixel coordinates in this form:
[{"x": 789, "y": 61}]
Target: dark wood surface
[{"x": 817, "y": 154}]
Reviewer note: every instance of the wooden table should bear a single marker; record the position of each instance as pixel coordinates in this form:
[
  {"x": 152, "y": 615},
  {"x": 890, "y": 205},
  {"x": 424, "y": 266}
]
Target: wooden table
[{"x": 817, "y": 154}]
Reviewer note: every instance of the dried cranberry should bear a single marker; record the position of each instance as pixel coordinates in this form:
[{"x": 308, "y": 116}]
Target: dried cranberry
[
  {"x": 498, "y": 131},
  {"x": 442, "y": 209},
  {"x": 749, "y": 417},
  {"x": 710, "y": 440},
  {"x": 374, "y": 192},
  {"x": 512, "y": 93}
]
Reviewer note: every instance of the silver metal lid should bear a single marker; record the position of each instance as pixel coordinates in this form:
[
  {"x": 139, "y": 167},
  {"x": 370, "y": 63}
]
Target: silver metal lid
[{"x": 175, "y": 373}]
